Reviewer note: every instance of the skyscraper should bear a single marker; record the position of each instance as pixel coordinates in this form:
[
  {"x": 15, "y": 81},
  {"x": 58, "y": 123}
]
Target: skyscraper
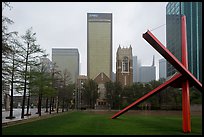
[
  {"x": 193, "y": 13},
  {"x": 162, "y": 68},
  {"x": 99, "y": 44},
  {"x": 147, "y": 73},
  {"x": 136, "y": 66},
  {"x": 67, "y": 58}
]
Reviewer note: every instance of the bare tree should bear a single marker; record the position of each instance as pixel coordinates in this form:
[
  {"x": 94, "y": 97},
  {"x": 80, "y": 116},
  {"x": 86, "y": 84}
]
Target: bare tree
[
  {"x": 65, "y": 81},
  {"x": 13, "y": 67},
  {"x": 31, "y": 54},
  {"x": 90, "y": 92},
  {"x": 6, "y": 34},
  {"x": 40, "y": 84},
  {"x": 54, "y": 75},
  {"x": 7, "y": 38}
]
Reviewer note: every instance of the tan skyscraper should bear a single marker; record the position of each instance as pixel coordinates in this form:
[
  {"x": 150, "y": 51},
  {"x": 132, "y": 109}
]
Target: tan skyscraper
[
  {"x": 124, "y": 70},
  {"x": 99, "y": 44}
]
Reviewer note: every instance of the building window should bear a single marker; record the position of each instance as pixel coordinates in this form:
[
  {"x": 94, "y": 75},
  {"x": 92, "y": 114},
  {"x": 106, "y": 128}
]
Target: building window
[{"x": 125, "y": 64}]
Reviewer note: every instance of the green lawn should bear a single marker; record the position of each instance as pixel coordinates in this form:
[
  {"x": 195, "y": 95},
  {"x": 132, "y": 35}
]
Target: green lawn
[{"x": 86, "y": 123}]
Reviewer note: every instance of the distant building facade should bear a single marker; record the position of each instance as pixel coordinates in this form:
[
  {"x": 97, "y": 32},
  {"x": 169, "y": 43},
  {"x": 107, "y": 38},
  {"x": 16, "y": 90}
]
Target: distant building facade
[
  {"x": 162, "y": 68},
  {"x": 67, "y": 59},
  {"x": 113, "y": 77},
  {"x": 5, "y": 95},
  {"x": 136, "y": 66},
  {"x": 78, "y": 95},
  {"x": 124, "y": 68},
  {"x": 46, "y": 64},
  {"x": 99, "y": 44},
  {"x": 147, "y": 73},
  {"x": 102, "y": 102}
]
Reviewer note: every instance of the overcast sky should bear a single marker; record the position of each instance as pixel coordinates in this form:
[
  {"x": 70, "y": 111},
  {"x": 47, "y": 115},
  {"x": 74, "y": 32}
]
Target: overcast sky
[{"x": 64, "y": 24}]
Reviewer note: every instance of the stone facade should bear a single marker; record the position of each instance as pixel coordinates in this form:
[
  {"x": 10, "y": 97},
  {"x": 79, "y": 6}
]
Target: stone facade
[{"x": 124, "y": 66}]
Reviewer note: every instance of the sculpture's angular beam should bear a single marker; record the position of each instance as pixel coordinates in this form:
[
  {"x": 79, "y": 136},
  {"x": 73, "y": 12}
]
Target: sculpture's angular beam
[
  {"x": 186, "y": 122},
  {"x": 185, "y": 84},
  {"x": 175, "y": 78},
  {"x": 156, "y": 44}
]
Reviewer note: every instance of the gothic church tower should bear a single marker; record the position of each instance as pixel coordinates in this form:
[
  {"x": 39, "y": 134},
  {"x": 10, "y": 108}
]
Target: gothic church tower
[{"x": 124, "y": 69}]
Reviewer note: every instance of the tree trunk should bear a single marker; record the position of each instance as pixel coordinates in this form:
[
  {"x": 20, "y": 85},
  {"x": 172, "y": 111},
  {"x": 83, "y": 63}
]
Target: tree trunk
[
  {"x": 53, "y": 102},
  {"x": 57, "y": 104},
  {"x": 28, "y": 105},
  {"x": 50, "y": 105},
  {"x": 46, "y": 105},
  {"x": 67, "y": 105},
  {"x": 39, "y": 104},
  {"x": 11, "y": 100},
  {"x": 24, "y": 92},
  {"x": 11, "y": 103},
  {"x": 62, "y": 104}
]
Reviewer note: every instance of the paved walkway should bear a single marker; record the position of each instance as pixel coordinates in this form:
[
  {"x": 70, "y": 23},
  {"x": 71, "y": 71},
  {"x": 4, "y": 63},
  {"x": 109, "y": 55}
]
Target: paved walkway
[{"x": 17, "y": 115}]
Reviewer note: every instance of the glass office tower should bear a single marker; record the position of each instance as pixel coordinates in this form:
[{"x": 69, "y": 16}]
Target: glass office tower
[
  {"x": 67, "y": 58},
  {"x": 193, "y": 13}
]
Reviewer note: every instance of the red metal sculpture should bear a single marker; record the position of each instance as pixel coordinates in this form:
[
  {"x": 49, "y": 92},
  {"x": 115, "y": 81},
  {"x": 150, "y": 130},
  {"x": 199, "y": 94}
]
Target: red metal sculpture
[{"x": 183, "y": 79}]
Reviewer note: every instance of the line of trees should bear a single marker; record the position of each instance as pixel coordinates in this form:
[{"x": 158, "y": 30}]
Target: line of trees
[
  {"x": 119, "y": 97},
  {"x": 22, "y": 66},
  {"x": 168, "y": 99}
]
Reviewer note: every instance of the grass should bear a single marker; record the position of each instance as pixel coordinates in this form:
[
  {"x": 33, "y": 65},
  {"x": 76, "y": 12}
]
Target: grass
[{"x": 91, "y": 123}]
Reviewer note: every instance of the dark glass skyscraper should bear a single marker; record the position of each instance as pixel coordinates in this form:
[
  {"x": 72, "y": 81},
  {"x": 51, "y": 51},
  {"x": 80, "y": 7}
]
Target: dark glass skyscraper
[{"x": 193, "y": 13}]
